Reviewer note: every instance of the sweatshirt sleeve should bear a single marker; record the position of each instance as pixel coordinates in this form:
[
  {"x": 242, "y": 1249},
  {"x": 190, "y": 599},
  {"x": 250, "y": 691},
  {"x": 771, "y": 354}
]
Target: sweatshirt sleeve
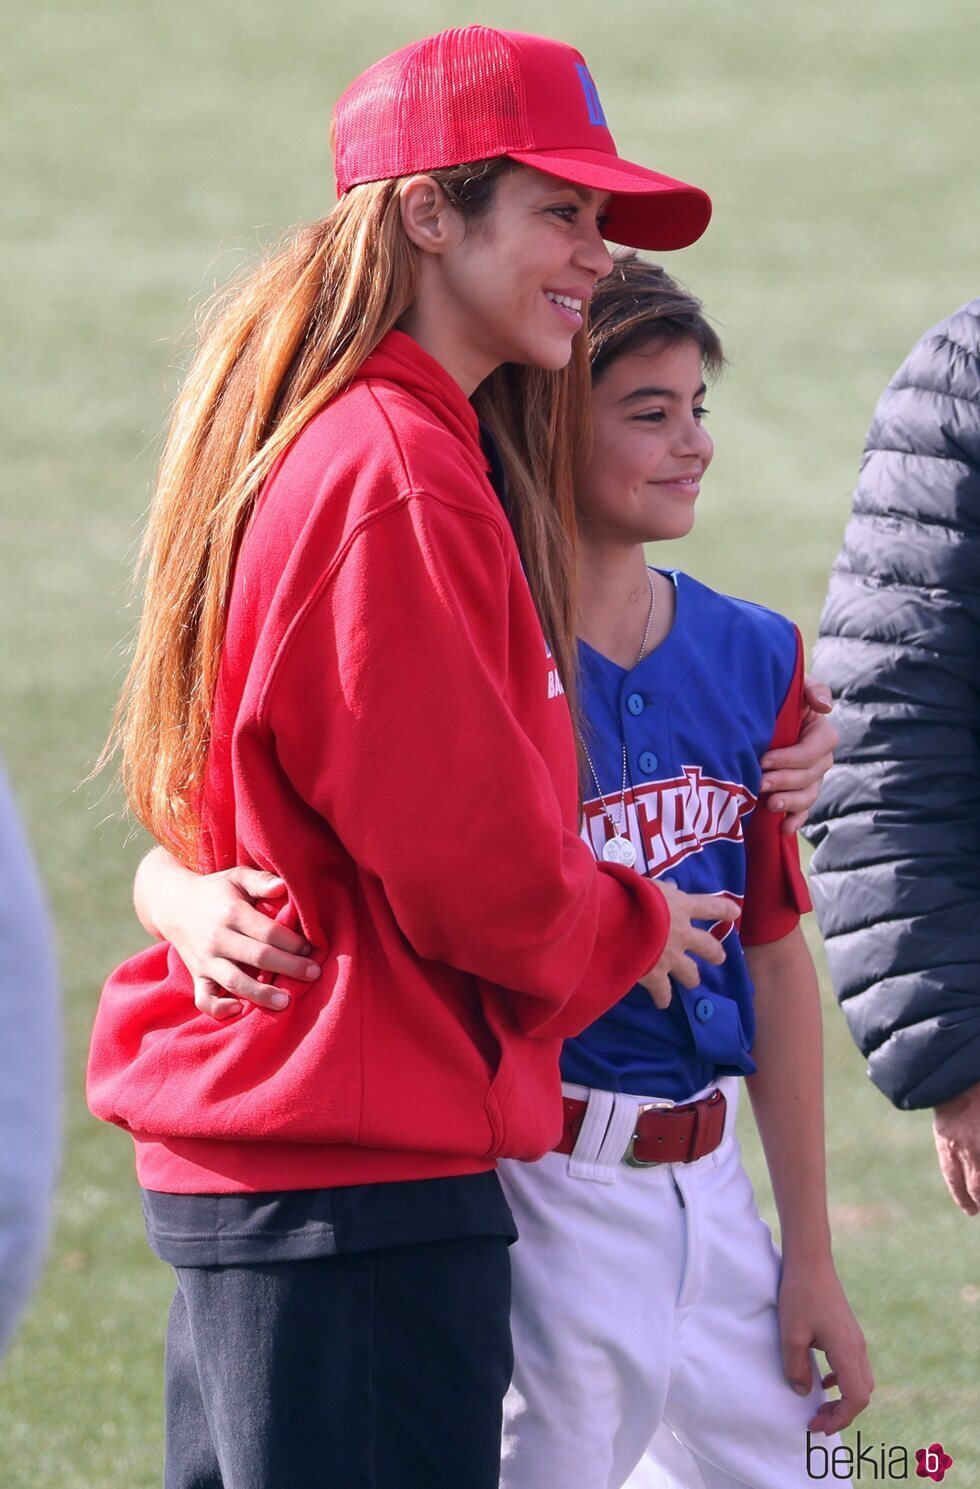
[
  {"x": 391, "y": 707},
  {"x": 775, "y": 889}
]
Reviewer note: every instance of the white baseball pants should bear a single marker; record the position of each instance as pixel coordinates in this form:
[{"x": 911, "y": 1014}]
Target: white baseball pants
[{"x": 644, "y": 1321}]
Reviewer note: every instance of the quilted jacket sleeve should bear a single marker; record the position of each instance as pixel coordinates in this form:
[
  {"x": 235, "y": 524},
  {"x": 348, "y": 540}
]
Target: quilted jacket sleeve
[{"x": 896, "y": 873}]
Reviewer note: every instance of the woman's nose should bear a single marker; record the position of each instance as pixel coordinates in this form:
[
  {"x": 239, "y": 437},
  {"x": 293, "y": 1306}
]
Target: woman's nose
[{"x": 593, "y": 255}]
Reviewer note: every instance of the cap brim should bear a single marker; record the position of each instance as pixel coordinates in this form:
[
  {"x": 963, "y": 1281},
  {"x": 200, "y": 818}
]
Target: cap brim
[{"x": 646, "y": 209}]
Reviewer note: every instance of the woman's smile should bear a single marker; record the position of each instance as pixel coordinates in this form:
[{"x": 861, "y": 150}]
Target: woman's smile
[{"x": 569, "y": 306}]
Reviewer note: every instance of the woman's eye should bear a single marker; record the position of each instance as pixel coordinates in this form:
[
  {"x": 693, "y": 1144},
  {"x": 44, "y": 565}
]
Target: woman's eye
[
  {"x": 567, "y": 214},
  {"x": 701, "y": 412},
  {"x": 655, "y": 416}
]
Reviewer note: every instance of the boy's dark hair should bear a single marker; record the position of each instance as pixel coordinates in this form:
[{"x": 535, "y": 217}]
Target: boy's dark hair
[{"x": 637, "y": 303}]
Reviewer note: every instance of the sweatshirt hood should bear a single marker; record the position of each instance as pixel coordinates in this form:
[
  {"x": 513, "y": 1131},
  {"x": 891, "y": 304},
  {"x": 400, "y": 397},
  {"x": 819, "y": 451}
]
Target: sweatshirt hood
[{"x": 400, "y": 360}]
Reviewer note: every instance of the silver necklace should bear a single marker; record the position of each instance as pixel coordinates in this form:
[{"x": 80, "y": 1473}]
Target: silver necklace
[{"x": 619, "y": 848}]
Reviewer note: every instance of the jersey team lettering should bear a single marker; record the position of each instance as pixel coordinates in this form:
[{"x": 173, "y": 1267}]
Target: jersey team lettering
[{"x": 670, "y": 820}]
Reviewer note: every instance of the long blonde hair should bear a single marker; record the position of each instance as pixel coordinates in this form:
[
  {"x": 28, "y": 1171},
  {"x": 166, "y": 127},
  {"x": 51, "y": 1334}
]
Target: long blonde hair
[{"x": 274, "y": 349}]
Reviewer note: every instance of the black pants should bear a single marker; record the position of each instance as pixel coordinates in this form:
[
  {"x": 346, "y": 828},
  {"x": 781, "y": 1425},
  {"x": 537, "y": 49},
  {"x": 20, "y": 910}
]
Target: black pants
[{"x": 377, "y": 1370}]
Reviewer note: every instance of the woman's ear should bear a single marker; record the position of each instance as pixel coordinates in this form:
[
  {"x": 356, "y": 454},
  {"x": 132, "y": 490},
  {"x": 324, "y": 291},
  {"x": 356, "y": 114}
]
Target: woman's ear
[{"x": 427, "y": 217}]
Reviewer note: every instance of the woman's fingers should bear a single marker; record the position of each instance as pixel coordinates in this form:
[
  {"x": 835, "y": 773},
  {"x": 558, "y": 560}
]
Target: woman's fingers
[
  {"x": 816, "y": 694},
  {"x": 795, "y": 789},
  {"x": 706, "y": 946},
  {"x": 712, "y": 907},
  {"x": 685, "y": 940},
  {"x": 659, "y": 988},
  {"x": 794, "y": 792},
  {"x": 685, "y": 971},
  {"x": 799, "y": 765}
]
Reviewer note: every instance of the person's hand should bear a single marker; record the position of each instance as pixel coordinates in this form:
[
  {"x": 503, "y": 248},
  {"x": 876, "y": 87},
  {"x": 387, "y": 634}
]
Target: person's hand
[
  {"x": 213, "y": 925},
  {"x": 794, "y": 774},
  {"x": 685, "y": 940},
  {"x": 815, "y": 1314},
  {"x": 956, "y": 1128}
]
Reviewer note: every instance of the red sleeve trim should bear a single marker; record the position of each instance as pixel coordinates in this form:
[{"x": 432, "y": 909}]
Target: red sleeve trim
[{"x": 776, "y": 894}]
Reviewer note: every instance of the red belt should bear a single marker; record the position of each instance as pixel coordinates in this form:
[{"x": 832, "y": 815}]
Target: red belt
[{"x": 663, "y": 1133}]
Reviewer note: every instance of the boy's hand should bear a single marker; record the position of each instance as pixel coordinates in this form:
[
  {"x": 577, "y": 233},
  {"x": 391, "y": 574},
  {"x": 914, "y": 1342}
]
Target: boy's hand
[
  {"x": 685, "y": 940},
  {"x": 793, "y": 775},
  {"x": 815, "y": 1314},
  {"x": 211, "y": 922}
]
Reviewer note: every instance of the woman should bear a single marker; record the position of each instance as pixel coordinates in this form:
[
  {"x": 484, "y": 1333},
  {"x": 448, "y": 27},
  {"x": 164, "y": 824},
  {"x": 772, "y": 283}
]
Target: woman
[{"x": 342, "y": 677}]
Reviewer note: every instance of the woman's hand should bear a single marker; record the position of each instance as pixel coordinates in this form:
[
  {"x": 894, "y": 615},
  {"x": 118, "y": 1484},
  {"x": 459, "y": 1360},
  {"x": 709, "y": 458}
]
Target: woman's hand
[
  {"x": 815, "y": 1314},
  {"x": 794, "y": 774},
  {"x": 685, "y": 940},
  {"x": 212, "y": 923}
]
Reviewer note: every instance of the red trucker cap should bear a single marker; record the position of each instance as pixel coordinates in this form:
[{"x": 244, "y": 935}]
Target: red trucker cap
[{"x": 476, "y": 93}]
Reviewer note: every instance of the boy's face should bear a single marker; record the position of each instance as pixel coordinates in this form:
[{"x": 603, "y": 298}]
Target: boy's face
[{"x": 650, "y": 449}]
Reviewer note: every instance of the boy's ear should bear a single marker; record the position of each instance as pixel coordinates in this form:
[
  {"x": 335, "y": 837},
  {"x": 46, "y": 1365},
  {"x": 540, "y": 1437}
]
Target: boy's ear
[{"x": 427, "y": 217}]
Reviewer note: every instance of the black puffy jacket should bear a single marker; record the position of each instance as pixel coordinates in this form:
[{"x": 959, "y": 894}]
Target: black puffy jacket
[{"x": 896, "y": 873}]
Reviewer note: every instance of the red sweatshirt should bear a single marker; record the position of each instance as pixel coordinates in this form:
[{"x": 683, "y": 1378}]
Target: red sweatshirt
[{"x": 389, "y": 737}]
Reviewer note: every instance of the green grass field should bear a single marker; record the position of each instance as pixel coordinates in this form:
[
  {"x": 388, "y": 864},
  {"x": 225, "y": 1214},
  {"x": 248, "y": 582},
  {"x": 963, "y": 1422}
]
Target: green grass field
[{"x": 146, "y": 152}]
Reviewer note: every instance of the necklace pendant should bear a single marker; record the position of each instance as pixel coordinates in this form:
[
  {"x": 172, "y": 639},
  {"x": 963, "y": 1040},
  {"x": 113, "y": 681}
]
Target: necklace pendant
[{"x": 619, "y": 850}]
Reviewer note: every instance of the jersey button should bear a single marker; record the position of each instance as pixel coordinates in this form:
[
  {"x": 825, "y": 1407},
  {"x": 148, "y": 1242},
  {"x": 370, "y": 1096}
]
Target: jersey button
[
  {"x": 648, "y": 762},
  {"x": 635, "y": 704},
  {"x": 704, "y": 1009}
]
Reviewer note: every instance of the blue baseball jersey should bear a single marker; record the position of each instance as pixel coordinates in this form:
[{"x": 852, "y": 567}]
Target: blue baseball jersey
[{"x": 696, "y": 714}]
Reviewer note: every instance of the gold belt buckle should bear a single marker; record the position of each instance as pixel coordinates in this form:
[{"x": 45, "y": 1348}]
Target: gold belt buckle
[{"x": 629, "y": 1157}]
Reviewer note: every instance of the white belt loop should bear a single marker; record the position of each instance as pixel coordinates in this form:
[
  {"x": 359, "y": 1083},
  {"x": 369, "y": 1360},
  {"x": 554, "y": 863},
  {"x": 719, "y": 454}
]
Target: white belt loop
[
  {"x": 607, "y": 1128},
  {"x": 622, "y": 1125},
  {"x": 584, "y": 1162}
]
